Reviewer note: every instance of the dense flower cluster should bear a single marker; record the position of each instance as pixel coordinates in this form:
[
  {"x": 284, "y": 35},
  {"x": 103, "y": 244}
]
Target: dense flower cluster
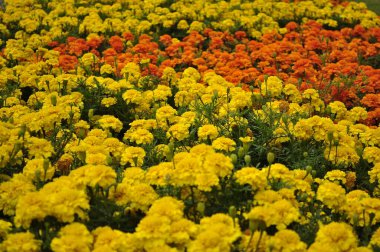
[{"x": 189, "y": 126}]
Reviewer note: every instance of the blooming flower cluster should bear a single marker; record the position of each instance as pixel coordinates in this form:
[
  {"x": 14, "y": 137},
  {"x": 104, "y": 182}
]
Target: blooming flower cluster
[{"x": 189, "y": 126}]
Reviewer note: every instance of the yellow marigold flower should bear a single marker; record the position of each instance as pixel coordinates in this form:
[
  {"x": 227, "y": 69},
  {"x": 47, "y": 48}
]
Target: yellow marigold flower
[
  {"x": 12, "y": 190},
  {"x": 354, "y": 209},
  {"x": 182, "y": 98},
  {"x": 251, "y": 176},
  {"x": 337, "y": 108},
  {"x": 207, "y": 131},
  {"x": 267, "y": 196},
  {"x": 188, "y": 117},
  {"x": 332, "y": 195},
  {"x": 134, "y": 175},
  {"x": 185, "y": 84},
  {"x": 281, "y": 136},
  {"x": 336, "y": 175},
  {"x": 93, "y": 175},
  {"x": 374, "y": 173},
  {"x": 280, "y": 213},
  {"x": 196, "y": 26},
  {"x": 216, "y": 233},
  {"x": 133, "y": 155},
  {"x": 182, "y": 25},
  {"x": 108, "y": 101},
  {"x": 89, "y": 59},
  {"x": 114, "y": 146},
  {"x": 30, "y": 207},
  {"x": 246, "y": 140},
  {"x": 39, "y": 148},
  {"x": 372, "y": 206},
  {"x": 271, "y": 87},
  {"x": 132, "y": 96},
  {"x": 164, "y": 224},
  {"x": 160, "y": 174},
  {"x": 5, "y": 227},
  {"x": 316, "y": 127},
  {"x": 72, "y": 237},
  {"x": 110, "y": 122},
  {"x": 278, "y": 171},
  {"x": 11, "y": 101},
  {"x": 372, "y": 154},
  {"x": 178, "y": 131},
  {"x": 131, "y": 71},
  {"x": 285, "y": 240},
  {"x": 144, "y": 123},
  {"x": 240, "y": 100},
  {"x": 61, "y": 199},
  {"x": 162, "y": 93},
  {"x": 139, "y": 136},
  {"x": 310, "y": 94},
  {"x": 186, "y": 169},
  {"x": 165, "y": 113},
  {"x": 356, "y": 114},
  {"x": 107, "y": 239},
  {"x": 169, "y": 76},
  {"x": 106, "y": 69},
  {"x": 370, "y": 137},
  {"x": 337, "y": 236},
  {"x": 218, "y": 164},
  {"x": 224, "y": 144},
  {"x": 341, "y": 155},
  {"x": 21, "y": 242},
  {"x": 38, "y": 169},
  {"x": 95, "y": 158},
  {"x": 67, "y": 204},
  {"x": 191, "y": 72},
  {"x": 134, "y": 196},
  {"x": 292, "y": 93}
]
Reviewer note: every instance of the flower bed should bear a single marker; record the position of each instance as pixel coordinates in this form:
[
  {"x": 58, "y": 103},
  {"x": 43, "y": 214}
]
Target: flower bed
[{"x": 210, "y": 126}]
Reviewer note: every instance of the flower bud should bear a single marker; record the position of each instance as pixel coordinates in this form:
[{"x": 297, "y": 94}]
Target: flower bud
[
  {"x": 232, "y": 211},
  {"x": 241, "y": 152},
  {"x": 234, "y": 158},
  {"x": 313, "y": 173},
  {"x": 53, "y": 99},
  {"x": 247, "y": 160},
  {"x": 270, "y": 157},
  {"x": 309, "y": 169}
]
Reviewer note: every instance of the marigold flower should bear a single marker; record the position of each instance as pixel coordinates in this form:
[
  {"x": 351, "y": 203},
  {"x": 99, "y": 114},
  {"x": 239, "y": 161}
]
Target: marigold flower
[
  {"x": 133, "y": 155},
  {"x": 207, "y": 131},
  {"x": 224, "y": 144},
  {"x": 22, "y": 242},
  {"x": 74, "y": 236},
  {"x": 332, "y": 195},
  {"x": 93, "y": 175},
  {"x": 335, "y": 235}
]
